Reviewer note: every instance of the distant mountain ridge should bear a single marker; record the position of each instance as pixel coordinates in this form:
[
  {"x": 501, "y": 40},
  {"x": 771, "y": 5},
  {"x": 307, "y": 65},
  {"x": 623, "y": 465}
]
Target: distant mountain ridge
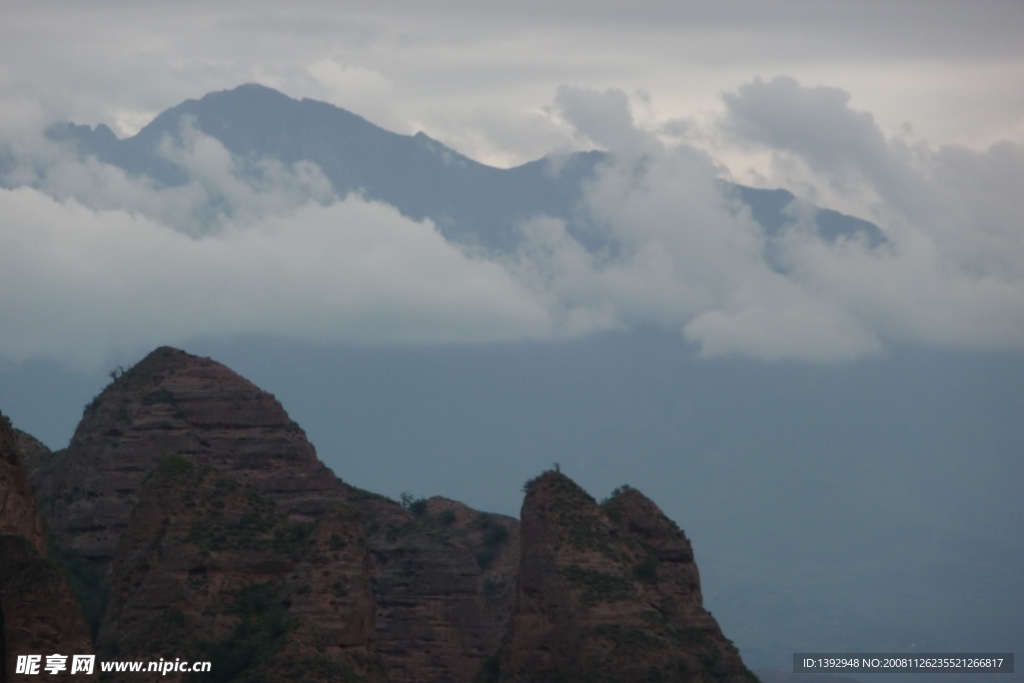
[{"x": 469, "y": 202}]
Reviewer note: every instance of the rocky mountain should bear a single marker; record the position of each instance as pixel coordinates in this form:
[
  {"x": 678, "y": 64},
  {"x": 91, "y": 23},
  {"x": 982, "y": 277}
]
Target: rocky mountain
[
  {"x": 609, "y": 593},
  {"x": 469, "y": 202},
  {"x": 19, "y": 515},
  {"x": 195, "y": 521},
  {"x": 209, "y": 569},
  {"x": 38, "y": 612},
  {"x": 439, "y": 572},
  {"x": 174, "y": 403}
]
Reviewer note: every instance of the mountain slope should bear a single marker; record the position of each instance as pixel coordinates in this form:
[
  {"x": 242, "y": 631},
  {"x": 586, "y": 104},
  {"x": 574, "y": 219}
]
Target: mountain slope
[
  {"x": 208, "y": 569},
  {"x": 251, "y": 505},
  {"x": 219, "y": 536},
  {"x": 468, "y": 201},
  {"x": 609, "y": 593}
]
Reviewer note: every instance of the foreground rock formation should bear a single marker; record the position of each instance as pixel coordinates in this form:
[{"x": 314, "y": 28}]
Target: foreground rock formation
[
  {"x": 175, "y": 403},
  {"x": 209, "y": 569},
  {"x": 609, "y": 593},
  {"x": 38, "y": 613},
  {"x": 196, "y": 522},
  {"x": 441, "y": 575}
]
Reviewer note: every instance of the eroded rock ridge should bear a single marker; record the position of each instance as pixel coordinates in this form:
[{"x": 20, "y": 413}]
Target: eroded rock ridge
[{"x": 196, "y": 521}]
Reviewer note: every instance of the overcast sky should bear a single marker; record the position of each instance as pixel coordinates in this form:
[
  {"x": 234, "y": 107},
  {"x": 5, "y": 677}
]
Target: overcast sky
[
  {"x": 909, "y": 114},
  {"x": 479, "y": 75}
]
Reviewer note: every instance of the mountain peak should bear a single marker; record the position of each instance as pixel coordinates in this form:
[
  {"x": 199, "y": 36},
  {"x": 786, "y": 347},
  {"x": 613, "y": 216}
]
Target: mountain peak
[
  {"x": 172, "y": 402},
  {"x": 609, "y": 593}
]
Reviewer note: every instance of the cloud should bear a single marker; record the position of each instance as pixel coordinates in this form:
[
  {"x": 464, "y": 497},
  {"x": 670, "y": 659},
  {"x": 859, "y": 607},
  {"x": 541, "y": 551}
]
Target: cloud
[
  {"x": 816, "y": 123},
  {"x": 951, "y": 67},
  {"x": 687, "y": 256},
  {"x": 959, "y": 203},
  {"x": 89, "y": 266},
  {"x": 94, "y": 262},
  {"x": 954, "y": 274},
  {"x": 604, "y": 118}
]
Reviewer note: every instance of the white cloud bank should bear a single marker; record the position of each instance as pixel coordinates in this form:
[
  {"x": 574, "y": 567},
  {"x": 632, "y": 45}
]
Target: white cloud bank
[
  {"x": 952, "y": 273},
  {"x": 94, "y": 263}
]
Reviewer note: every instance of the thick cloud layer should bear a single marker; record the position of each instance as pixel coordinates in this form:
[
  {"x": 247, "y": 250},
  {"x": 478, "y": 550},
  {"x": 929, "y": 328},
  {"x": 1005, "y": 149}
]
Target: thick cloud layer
[
  {"x": 952, "y": 273},
  {"x": 955, "y": 270},
  {"x": 93, "y": 263},
  {"x": 96, "y": 264}
]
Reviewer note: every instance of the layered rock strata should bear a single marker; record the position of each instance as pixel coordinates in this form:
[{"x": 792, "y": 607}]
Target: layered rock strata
[{"x": 609, "y": 593}]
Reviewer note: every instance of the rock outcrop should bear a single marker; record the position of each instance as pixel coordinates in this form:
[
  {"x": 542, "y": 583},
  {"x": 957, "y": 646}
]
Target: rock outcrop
[
  {"x": 19, "y": 515},
  {"x": 38, "y": 613},
  {"x": 444, "y": 578},
  {"x": 197, "y": 522},
  {"x": 174, "y": 403},
  {"x": 209, "y": 569},
  {"x": 609, "y": 593},
  {"x": 442, "y": 575}
]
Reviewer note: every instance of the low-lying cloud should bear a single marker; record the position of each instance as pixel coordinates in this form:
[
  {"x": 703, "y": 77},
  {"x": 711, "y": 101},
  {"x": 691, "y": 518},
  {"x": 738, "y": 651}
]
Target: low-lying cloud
[{"x": 95, "y": 263}]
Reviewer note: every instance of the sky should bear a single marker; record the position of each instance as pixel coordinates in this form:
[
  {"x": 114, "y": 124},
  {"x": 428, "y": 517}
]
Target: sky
[
  {"x": 723, "y": 373},
  {"x": 481, "y": 76},
  {"x": 907, "y": 114}
]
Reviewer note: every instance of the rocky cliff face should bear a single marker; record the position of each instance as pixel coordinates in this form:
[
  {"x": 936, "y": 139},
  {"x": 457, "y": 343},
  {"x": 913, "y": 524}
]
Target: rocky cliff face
[
  {"x": 198, "y": 523},
  {"x": 442, "y": 575},
  {"x": 444, "y": 585},
  {"x": 38, "y": 613},
  {"x": 609, "y": 593},
  {"x": 175, "y": 403},
  {"x": 19, "y": 515},
  {"x": 209, "y": 569}
]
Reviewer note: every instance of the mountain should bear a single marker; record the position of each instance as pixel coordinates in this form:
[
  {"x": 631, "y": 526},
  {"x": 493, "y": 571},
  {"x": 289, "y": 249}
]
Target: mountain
[
  {"x": 468, "y": 201},
  {"x": 609, "y": 593},
  {"x": 209, "y": 569},
  {"x": 218, "y": 535},
  {"x": 427, "y": 569}
]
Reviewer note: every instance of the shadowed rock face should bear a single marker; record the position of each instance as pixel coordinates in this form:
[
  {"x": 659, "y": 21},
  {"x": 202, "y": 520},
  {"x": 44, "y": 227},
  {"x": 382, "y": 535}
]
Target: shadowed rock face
[
  {"x": 609, "y": 593},
  {"x": 38, "y": 613},
  {"x": 444, "y": 582},
  {"x": 442, "y": 585},
  {"x": 18, "y": 513},
  {"x": 208, "y": 569},
  {"x": 175, "y": 403},
  {"x": 220, "y": 536}
]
